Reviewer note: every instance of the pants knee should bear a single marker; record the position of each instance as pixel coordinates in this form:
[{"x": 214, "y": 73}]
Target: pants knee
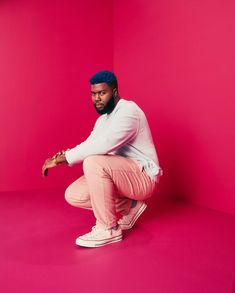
[
  {"x": 67, "y": 196},
  {"x": 70, "y": 198},
  {"x": 78, "y": 201}
]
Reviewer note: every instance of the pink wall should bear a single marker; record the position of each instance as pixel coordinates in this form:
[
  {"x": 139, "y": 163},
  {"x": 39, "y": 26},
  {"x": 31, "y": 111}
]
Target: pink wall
[
  {"x": 48, "y": 51},
  {"x": 176, "y": 59}
]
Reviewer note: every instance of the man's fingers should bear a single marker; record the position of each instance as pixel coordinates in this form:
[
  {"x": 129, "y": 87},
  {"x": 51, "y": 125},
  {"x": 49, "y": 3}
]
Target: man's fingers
[
  {"x": 44, "y": 170},
  {"x": 48, "y": 164}
]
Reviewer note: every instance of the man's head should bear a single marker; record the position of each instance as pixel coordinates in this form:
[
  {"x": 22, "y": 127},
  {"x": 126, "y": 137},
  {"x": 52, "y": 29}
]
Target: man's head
[{"x": 104, "y": 90}]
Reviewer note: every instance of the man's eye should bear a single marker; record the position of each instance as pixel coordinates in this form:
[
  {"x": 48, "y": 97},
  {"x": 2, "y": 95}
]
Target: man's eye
[{"x": 102, "y": 93}]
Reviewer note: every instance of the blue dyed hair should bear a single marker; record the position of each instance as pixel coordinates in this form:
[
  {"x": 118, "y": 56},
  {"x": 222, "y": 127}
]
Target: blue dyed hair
[{"x": 106, "y": 77}]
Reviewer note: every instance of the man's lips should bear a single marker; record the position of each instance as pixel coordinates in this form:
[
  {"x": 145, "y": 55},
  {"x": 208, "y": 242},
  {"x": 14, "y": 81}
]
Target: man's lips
[{"x": 99, "y": 105}]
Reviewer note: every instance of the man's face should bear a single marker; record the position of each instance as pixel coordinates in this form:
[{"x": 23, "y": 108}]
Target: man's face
[{"x": 102, "y": 98}]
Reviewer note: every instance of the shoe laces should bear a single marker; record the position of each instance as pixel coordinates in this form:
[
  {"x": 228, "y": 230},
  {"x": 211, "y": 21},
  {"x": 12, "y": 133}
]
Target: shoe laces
[{"x": 95, "y": 230}]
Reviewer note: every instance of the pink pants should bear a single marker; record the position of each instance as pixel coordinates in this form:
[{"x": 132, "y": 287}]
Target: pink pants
[{"x": 108, "y": 186}]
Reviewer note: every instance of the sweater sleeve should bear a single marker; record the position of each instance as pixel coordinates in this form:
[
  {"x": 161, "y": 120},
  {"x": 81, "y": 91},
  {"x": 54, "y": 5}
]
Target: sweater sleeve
[{"x": 123, "y": 128}]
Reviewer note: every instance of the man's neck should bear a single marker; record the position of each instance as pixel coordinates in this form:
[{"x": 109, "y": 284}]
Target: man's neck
[{"x": 116, "y": 100}]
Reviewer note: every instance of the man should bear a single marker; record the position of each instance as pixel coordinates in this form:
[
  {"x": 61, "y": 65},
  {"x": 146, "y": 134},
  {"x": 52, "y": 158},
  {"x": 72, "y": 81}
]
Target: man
[{"x": 119, "y": 161}]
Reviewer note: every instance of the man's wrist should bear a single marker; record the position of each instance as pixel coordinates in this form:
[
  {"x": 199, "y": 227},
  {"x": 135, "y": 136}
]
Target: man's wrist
[{"x": 59, "y": 158}]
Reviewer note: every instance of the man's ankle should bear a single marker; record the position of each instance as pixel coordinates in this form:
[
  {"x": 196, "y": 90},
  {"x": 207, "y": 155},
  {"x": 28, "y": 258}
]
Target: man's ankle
[{"x": 134, "y": 203}]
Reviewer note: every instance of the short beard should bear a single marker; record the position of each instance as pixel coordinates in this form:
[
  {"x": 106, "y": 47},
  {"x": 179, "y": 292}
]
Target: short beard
[{"x": 108, "y": 108}]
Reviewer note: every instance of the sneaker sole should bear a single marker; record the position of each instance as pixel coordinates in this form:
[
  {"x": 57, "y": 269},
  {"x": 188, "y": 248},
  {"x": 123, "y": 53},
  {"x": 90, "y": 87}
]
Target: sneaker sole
[
  {"x": 137, "y": 215},
  {"x": 92, "y": 243}
]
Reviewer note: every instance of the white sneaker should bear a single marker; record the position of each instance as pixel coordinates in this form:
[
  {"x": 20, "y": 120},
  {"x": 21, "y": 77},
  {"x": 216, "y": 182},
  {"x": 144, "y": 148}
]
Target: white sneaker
[
  {"x": 99, "y": 237},
  {"x": 128, "y": 221}
]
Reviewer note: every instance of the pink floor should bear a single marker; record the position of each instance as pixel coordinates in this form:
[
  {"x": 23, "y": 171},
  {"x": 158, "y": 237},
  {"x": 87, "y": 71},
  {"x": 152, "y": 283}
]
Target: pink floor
[{"x": 174, "y": 248}]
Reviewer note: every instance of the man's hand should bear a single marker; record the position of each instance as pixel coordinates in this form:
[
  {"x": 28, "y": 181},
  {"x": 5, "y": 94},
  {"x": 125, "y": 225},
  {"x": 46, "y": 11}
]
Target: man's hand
[
  {"x": 57, "y": 159},
  {"x": 49, "y": 163}
]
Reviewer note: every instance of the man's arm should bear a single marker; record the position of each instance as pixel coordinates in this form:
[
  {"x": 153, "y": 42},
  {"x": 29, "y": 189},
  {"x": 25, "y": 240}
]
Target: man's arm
[
  {"x": 122, "y": 129},
  {"x": 60, "y": 158}
]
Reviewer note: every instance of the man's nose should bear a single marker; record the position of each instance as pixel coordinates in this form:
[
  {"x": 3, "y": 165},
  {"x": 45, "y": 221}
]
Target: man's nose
[{"x": 97, "y": 97}]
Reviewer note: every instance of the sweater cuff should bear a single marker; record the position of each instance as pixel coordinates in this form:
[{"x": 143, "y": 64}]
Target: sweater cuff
[{"x": 68, "y": 158}]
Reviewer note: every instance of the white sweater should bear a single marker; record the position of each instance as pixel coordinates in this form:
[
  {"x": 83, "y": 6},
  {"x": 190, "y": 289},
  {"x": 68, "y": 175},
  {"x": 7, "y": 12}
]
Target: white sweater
[{"x": 123, "y": 132}]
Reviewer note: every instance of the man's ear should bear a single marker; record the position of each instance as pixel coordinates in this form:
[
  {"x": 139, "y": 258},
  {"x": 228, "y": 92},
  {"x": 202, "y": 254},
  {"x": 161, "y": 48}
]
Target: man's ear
[{"x": 115, "y": 92}]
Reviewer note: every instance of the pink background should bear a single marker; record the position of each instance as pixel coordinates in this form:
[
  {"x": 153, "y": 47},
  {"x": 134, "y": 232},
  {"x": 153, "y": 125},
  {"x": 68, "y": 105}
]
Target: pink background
[
  {"x": 48, "y": 51},
  {"x": 177, "y": 59},
  {"x": 174, "y": 58}
]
